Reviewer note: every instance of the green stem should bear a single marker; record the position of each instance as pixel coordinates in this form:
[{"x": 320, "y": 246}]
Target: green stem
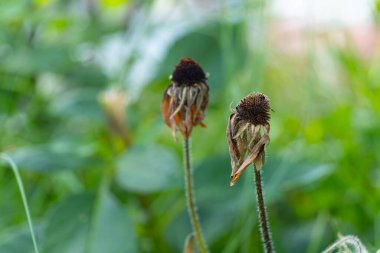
[
  {"x": 191, "y": 200},
  {"x": 264, "y": 224},
  {"x": 23, "y": 196}
]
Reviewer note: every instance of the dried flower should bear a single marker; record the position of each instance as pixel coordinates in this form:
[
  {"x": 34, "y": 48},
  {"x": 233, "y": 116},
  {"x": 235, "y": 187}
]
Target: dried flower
[
  {"x": 186, "y": 98},
  {"x": 248, "y": 133},
  {"x": 114, "y": 102}
]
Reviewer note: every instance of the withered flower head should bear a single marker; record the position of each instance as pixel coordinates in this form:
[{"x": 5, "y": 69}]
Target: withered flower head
[
  {"x": 185, "y": 100},
  {"x": 248, "y": 133},
  {"x": 114, "y": 103}
]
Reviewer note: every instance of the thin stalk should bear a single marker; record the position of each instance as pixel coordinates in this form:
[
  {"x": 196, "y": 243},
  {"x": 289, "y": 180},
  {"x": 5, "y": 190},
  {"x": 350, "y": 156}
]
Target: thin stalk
[
  {"x": 191, "y": 206},
  {"x": 264, "y": 224},
  {"x": 23, "y": 197}
]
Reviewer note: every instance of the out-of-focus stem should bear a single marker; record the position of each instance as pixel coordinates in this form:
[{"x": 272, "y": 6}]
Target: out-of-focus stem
[{"x": 191, "y": 206}]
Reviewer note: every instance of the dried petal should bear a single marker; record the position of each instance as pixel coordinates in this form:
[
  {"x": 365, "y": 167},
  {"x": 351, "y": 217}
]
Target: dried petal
[
  {"x": 254, "y": 154},
  {"x": 232, "y": 145},
  {"x": 185, "y": 100},
  {"x": 114, "y": 102}
]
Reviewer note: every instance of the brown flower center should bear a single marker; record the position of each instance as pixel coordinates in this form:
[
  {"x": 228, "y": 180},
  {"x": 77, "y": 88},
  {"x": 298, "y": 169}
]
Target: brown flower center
[
  {"x": 254, "y": 108},
  {"x": 188, "y": 72}
]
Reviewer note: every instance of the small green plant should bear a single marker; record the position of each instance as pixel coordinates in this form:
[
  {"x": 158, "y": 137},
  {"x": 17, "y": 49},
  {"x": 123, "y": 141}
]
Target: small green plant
[
  {"x": 23, "y": 197},
  {"x": 183, "y": 107}
]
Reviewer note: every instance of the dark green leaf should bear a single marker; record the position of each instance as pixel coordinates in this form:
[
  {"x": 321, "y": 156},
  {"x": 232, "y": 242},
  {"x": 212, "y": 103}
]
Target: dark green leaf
[
  {"x": 147, "y": 169},
  {"x": 46, "y": 159},
  {"x": 84, "y": 224}
]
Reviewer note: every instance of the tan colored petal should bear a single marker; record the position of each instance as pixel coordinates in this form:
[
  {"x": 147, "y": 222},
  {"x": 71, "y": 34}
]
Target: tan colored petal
[
  {"x": 165, "y": 109},
  {"x": 232, "y": 144},
  {"x": 260, "y": 159},
  {"x": 250, "y": 158}
]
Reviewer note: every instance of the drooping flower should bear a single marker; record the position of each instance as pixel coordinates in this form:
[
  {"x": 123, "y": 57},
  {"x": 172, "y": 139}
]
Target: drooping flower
[
  {"x": 248, "y": 133},
  {"x": 185, "y": 100},
  {"x": 114, "y": 103}
]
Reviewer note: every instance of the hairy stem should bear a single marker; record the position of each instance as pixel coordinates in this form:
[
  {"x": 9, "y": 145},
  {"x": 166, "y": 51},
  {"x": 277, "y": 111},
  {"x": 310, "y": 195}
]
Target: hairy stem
[
  {"x": 264, "y": 224},
  {"x": 191, "y": 200},
  {"x": 23, "y": 197}
]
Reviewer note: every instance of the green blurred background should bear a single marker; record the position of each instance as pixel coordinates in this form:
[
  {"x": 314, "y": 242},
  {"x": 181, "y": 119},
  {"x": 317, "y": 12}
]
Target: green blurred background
[{"x": 81, "y": 84}]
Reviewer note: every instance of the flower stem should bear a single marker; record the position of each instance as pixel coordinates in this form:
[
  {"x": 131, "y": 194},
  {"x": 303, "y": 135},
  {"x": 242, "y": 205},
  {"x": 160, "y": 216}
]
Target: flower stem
[
  {"x": 23, "y": 197},
  {"x": 264, "y": 224},
  {"x": 191, "y": 206}
]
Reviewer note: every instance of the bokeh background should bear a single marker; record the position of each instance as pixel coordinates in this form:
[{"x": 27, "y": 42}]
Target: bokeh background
[{"x": 81, "y": 84}]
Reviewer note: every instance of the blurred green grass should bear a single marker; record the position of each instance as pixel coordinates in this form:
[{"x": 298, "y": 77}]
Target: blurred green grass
[{"x": 91, "y": 191}]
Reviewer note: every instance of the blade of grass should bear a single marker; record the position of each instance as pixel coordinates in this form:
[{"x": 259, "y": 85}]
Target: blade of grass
[{"x": 13, "y": 165}]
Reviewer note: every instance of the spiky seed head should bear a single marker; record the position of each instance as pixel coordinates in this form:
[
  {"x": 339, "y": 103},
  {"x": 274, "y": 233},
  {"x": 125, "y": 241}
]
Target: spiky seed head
[
  {"x": 187, "y": 72},
  {"x": 254, "y": 109},
  {"x": 248, "y": 133}
]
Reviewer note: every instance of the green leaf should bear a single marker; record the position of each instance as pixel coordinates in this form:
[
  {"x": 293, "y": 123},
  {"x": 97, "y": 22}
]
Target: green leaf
[
  {"x": 147, "y": 169},
  {"x": 304, "y": 174},
  {"x": 48, "y": 159},
  {"x": 112, "y": 230},
  {"x": 84, "y": 224},
  {"x": 280, "y": 175},
  {"x": 79, "y": 103},
  {"x": 68, "y": 225},
  {"x": 29, "y": 61},
  {"x": 17, "y": 240}
]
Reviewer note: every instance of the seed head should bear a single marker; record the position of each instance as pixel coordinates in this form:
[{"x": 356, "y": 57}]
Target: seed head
[
  {"x": 254, "y": 109},
  {"x": 185, "y": 100},
  {"x": 187, "y": 72},
  {"x": 248, "y": 133}
]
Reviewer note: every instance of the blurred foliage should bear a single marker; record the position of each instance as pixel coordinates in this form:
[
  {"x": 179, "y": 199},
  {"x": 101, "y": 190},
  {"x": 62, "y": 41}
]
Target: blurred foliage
[{"x": 92, "y": 189}]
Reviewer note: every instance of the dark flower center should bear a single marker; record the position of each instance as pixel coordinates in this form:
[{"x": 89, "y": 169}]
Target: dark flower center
[
  {"x": 254, "y": 108},
  {"x": 188, "y": 72}
]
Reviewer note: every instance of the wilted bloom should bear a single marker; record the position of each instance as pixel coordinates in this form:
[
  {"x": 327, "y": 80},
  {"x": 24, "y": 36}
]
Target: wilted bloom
[
  {"x": 248, "y": 133},
  {"x": 114, "y": 102},
  {"x": 186, "y": 98}
]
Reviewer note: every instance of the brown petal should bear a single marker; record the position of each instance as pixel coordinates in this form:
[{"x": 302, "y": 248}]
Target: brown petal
[
  {"x": 260, "y": 159},
  {"x": 165, "y": 108},
  {"x": 250, "y": 158},
  {"x": 188, "y": 114},
  {"x": 190, "y": 244},
  {"x": 232, "y": 144},
  {"x": 181, "y": 124}
]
